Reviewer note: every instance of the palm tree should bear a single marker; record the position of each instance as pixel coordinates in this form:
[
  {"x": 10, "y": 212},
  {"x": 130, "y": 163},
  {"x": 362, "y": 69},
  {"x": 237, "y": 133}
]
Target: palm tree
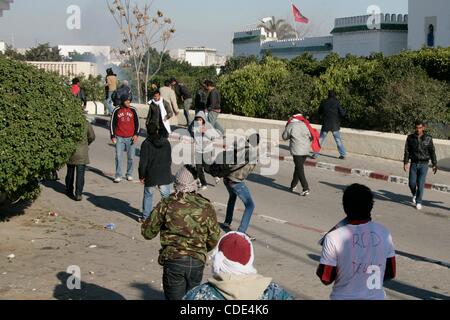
[{"x": 283, "y": 29}]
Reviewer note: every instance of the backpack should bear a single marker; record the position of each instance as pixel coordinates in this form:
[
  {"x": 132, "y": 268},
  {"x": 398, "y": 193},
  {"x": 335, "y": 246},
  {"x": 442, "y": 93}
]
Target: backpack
[
  {"x": 120, "y": 92},
  {"x": 222, "y": 168}
]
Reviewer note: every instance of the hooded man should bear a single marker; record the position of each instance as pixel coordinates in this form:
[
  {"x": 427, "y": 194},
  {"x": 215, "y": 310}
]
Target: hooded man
[
  {"x": 234, "y": 277},
  {"x": 155, "y": 168},
  {"x": 188, "y": 230},
  {"x": 203, "y": 134}
]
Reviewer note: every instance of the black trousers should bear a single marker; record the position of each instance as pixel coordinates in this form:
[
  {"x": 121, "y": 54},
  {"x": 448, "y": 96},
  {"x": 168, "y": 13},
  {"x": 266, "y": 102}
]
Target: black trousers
[
  {"x": 70, "y": 177},
  {"x": 201, "y": 174},
  {"x": 180, "y": 276},
  {"x": 299, "y": 173}
]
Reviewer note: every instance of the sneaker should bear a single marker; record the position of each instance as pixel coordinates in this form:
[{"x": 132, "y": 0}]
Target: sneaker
[
  {"x": 130, "y": 178},
  {"x": 419, "y": 206},
  {"x": 225, "y": 227},
  {"x": 342, "y": 157},
  {"x": 414, "y": 200},
  {"x": 305, "y": 193},
  {"x": 141, "y": 220},
  {"x": 293, "y": 189},
  {"x": 217, "y": 180},
  {"x": 203, "y": 188},
  {"x": 117, "y": 180},
  {"x": 78, "y": 197}
]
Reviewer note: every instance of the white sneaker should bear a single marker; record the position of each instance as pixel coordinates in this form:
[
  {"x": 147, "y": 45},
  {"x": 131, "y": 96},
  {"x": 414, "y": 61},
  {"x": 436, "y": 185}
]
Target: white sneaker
[
  {"x": 130, "y": 178},
  {"x": 117, "y": 180},
  {"x": 414, "y": 199},
  {"x": 305, "y": 193},
  {"x": 217, "y": 180},
  {"x": 203, "y": 188},
  {"x": 419, "y": 206}
]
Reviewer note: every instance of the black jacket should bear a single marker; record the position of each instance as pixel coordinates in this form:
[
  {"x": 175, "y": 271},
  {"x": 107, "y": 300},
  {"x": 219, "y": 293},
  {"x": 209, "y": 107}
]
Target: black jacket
[
  {"x": 154, "y": 117},
  {"x": 183, "y": 92},
  {"x": 420, "y": 149},
  {"x": 332, "y": 113},
  {"x": 156, "y": 162},
  {"x": 213, "y": 102},
  {"x": 123, "y": 90}
]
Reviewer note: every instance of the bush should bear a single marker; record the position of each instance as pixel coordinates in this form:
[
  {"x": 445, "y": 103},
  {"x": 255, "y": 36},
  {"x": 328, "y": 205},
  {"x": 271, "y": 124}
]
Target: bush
[
  {"x": 247, "y": 91},
  {"x": 40, "y": 125},
  {"x": 413, "y": 97}
]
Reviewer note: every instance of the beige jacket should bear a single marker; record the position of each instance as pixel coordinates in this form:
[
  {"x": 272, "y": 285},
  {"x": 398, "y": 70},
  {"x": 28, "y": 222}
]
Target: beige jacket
[
  {"x": 168, "y": 94},
  {"x": 233, "y": 287},
  {"x": 111, "y": 83}
]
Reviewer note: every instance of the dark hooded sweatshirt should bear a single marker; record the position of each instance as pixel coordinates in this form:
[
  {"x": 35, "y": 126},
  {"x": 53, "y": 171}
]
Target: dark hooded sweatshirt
[{"x": 156, "y": 161}]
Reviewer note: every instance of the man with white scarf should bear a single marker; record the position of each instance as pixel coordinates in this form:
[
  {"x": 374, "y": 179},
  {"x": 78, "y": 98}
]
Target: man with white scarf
[
  {"x": 159, "y": 114},
  {"x": 234, "y": 277}
]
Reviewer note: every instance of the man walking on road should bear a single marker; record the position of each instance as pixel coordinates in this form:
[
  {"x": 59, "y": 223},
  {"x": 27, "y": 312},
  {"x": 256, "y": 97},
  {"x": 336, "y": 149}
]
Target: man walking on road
[
  {"x": 189, "y": 230},
  {"x": 155, "y": 168},
  {"x": 332, "y": 113},
  {"x": 236, "y": 187},
  {"x": 168, "y": 95},
  {"x": 110, "y": 88},
  {"x": 159, "y": 115},
  {"x": 77, "y": 163},
  {"x": 359, "y": 255},
  {"x": 201, "y": 98},
  {"x": 299, "y": 143},
  {"x": 213, "y": 105},
  {"x": 419, "y": 149},
  {"x": 124, "y": 135},
  {"x": 185, "y": 96}
]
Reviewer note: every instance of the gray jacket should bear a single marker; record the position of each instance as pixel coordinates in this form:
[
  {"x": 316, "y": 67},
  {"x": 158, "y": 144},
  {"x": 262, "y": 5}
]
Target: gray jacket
[{"x": 299, "y": 138}]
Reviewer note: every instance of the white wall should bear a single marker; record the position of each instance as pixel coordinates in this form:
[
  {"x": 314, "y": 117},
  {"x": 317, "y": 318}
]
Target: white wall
[
  {"x": 247, "y": 49},
  {"x": 392, "y": 43},
  {"x": 69, "y": 69},
  {"x": 357, "y": 43},
  {"x": 419, "y": 10},
  {"x": 95, "y": 50},
  {"x": 2, "y": 47}
]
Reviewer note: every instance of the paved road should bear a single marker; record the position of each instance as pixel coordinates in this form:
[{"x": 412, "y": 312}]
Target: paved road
[{"x": 287, "y": 228}]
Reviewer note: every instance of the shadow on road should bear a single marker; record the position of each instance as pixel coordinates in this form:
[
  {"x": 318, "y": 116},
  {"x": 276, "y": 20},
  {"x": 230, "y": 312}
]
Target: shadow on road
[
  {"x": 267, "y": 182},
  {"x": 8, "y": 210},
  {"x": 88, "y": 291},
  {"x": 412, "y": 291},
  {"x": 114, "y": 205},
  {"x": 384, "y": 195},
  {"x": 148, "y": 293}
]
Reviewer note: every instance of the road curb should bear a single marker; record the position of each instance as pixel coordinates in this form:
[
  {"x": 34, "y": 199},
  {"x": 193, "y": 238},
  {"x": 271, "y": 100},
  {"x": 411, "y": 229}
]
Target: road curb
[{"x": 364, "y": 173}]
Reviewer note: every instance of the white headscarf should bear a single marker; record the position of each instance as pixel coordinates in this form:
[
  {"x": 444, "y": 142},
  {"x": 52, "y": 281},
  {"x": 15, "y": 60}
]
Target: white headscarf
[
  {"x": 223, "y": 265},
  {"x": 163, "y": 113}
]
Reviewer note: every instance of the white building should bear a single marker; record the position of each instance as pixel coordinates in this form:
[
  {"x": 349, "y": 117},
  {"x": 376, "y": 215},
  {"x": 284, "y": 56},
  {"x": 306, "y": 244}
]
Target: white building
[
  {"x": 198, "y": 56},
  {"x": 5, "y": 5},
  {"x": 68, "y": 50},
  {"x": 350, "y": 35},
  {"x": 69, "y": 69},
  {"x": 426, "y": 14},
  {"x": 2, "y": 47}
]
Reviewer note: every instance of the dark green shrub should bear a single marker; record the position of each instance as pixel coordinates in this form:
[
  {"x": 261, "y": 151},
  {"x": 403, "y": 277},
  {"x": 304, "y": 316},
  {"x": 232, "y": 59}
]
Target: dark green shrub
[{"x": 40, "y": 124}]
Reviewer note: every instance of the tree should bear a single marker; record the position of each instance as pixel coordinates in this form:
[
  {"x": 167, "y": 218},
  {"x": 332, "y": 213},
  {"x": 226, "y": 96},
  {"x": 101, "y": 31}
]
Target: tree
[
  {"x": 43, "y": 52},
  {"x": 140, "y": 34},
  {"x": 283, "y": 29},
  {"x": 13, "y": 54}
]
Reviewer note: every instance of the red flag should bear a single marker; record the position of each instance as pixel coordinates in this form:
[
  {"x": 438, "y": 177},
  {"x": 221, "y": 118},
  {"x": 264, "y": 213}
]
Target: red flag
[{"x": 298, "y": 16}]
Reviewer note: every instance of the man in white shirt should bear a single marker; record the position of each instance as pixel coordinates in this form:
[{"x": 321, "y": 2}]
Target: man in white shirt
[{"x": 360, "y": 255}]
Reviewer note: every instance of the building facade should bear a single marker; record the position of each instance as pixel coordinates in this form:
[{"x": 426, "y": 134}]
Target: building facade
[
  {"x": 68, "y": 50},
  {"x": 429, "y": 24},
  {"x": 68, "y": 69},
  {"x": 199, "y": 56},
  {"x": 5, "y": 5},
  {"x": 350, "y": 35},
  {"x": 2, "y": 47}
]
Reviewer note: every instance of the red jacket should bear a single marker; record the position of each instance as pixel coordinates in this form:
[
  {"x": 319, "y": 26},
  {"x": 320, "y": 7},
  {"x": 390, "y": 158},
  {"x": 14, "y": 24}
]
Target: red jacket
[{"x": 315, "y": 144}]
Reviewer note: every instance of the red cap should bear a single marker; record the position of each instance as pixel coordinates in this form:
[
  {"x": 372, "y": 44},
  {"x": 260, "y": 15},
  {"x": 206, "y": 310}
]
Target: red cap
[{"x": 236, "y": 248}]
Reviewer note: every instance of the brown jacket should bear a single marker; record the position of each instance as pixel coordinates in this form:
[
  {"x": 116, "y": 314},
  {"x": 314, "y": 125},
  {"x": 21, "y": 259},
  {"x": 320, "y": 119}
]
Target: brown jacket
[
  {"x": 81, "y": 155},
  {"x": 111, "y": 83}
]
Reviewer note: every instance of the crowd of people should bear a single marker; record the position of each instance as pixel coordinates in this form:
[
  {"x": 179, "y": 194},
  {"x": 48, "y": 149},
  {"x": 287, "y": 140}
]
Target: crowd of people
[{"x": 357, "y": 256}]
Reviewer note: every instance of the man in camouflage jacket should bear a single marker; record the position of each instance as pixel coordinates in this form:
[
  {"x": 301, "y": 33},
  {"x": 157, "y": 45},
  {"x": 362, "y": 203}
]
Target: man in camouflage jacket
[{"x": 189, "y": 230}]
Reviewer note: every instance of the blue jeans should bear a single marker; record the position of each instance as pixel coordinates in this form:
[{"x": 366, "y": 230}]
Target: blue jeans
[
  {"x": 239, "y": 190},
  {"x": 147, "y": 205},
  {"x": 213, "y": 118},
  {"x": 337, "y": 138},
  {"x": 109, "y": 102},
  {"x": 417, "y": 176},
  {"x": 124, "y": 144}
]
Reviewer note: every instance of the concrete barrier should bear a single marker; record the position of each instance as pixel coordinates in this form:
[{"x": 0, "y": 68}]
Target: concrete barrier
[{"x": 371, "y": 143}]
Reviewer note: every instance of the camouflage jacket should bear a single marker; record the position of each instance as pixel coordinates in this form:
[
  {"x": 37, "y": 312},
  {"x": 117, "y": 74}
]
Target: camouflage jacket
[{"x": 188, "y": 227}]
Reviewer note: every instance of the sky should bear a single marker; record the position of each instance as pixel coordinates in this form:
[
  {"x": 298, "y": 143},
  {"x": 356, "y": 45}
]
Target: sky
[{"x": 208, "y": 23}]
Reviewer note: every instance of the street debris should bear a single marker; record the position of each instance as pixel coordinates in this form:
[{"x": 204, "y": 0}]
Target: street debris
[
  {"x": 11, "y": 257},
  {"x": 92, "y": 246},
  {"x": 36, "y": 221},
  {"x": 110, "y": 226},
  {"x": 53, "y": 214}
]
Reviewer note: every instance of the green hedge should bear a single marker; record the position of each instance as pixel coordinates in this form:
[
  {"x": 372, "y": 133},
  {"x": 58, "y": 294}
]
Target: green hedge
[
  {"x": 40, "y": 124},
  {"x": 379, "y": 93}
]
